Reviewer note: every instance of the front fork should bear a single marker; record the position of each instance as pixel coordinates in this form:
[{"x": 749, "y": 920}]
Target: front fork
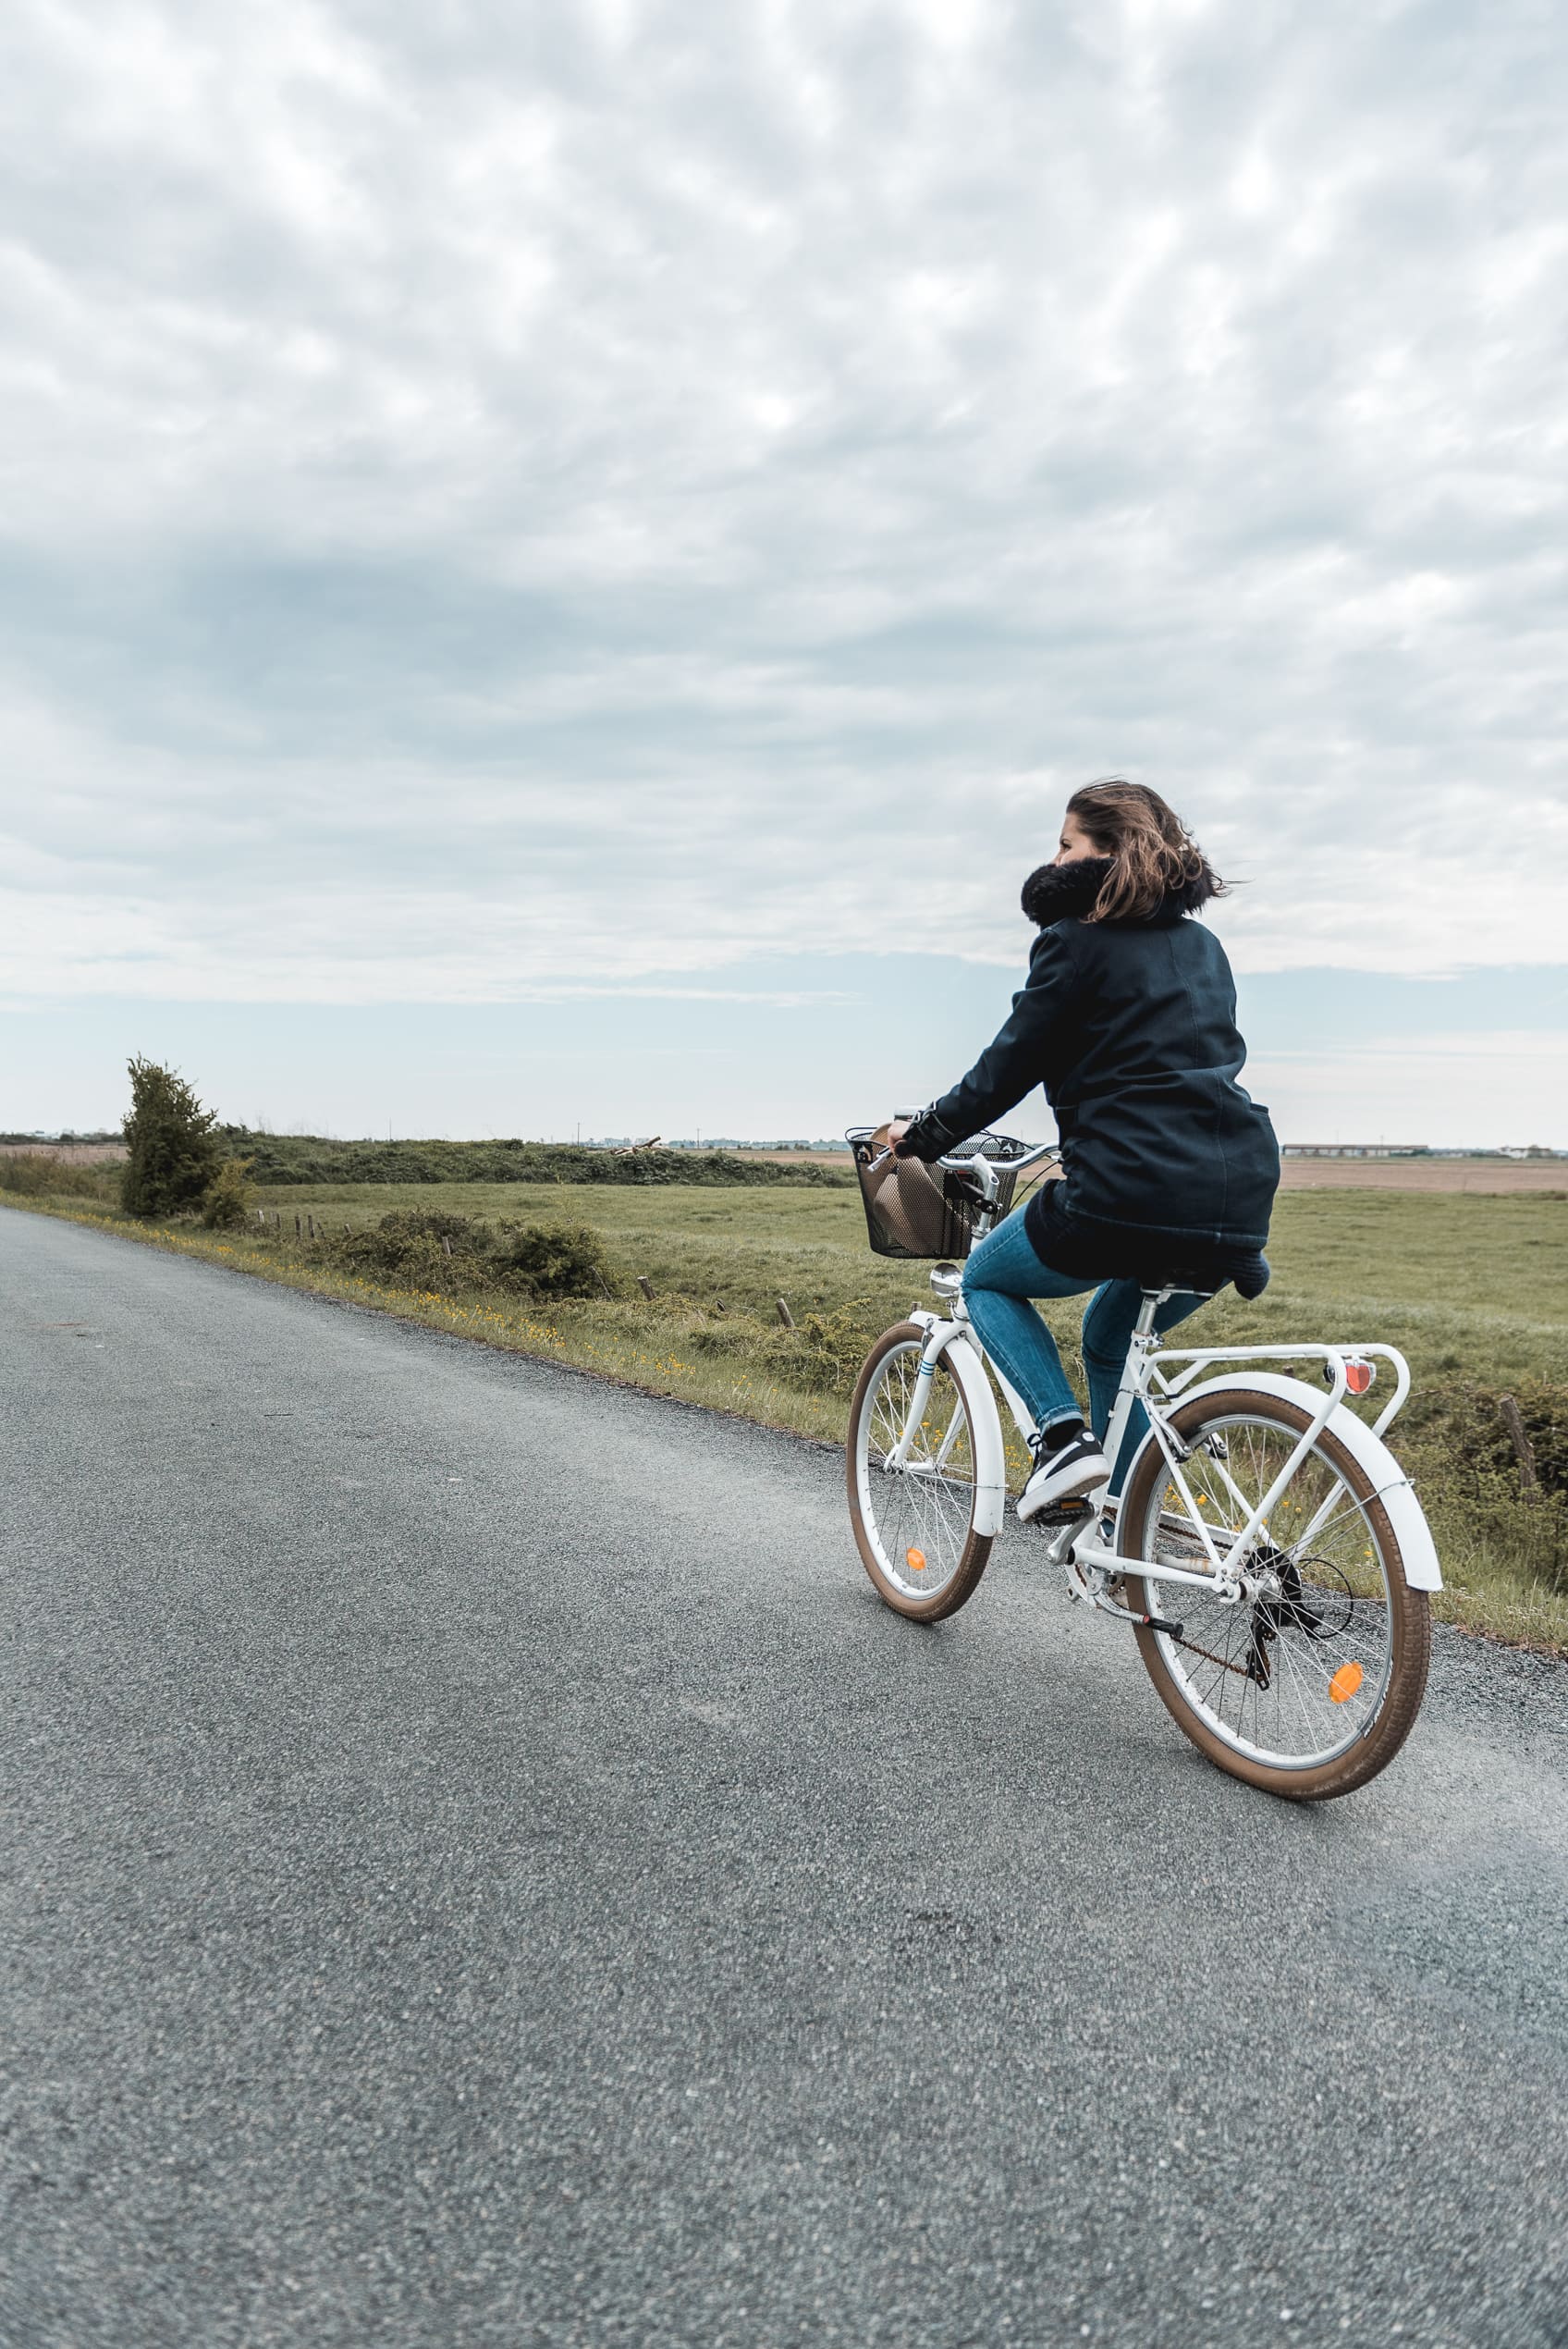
[{"x": 929, "y": 1355}]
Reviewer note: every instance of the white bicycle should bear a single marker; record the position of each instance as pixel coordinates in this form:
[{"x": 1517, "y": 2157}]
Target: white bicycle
[{"x": 1267, "y": 1551}]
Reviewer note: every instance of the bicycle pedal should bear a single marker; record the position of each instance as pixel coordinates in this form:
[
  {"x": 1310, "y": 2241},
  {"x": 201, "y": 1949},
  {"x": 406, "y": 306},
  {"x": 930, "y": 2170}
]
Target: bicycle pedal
[{"x": 1071, "y": 1512}]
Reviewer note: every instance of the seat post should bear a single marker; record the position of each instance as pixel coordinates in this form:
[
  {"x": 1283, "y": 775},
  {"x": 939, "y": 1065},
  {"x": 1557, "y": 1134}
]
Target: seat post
[{"x": 1153, "y": 1299}]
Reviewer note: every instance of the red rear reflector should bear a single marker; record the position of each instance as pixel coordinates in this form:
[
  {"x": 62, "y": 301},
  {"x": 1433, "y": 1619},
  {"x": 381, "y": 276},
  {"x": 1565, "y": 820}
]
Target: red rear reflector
[{"x": 1359, "y": 1376}]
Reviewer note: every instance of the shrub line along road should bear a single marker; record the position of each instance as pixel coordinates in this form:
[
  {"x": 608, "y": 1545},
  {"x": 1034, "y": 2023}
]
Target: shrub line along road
[
  {"x": 481, "y": 1867},
  {"x": 1481, "y": 1176}
]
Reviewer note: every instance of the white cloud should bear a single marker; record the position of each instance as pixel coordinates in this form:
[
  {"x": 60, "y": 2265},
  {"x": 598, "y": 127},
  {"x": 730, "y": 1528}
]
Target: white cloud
[{"x": 498, "y": 501}]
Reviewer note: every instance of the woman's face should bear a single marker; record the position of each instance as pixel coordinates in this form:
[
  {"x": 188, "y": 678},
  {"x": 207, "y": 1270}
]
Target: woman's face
[{"x": 1074, "y": 843}]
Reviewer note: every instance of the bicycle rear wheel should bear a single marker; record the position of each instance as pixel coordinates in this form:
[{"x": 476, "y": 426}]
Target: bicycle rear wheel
[
  {"x": 914, "y": 1525},
  {"x": 1311, "y": 1690}
]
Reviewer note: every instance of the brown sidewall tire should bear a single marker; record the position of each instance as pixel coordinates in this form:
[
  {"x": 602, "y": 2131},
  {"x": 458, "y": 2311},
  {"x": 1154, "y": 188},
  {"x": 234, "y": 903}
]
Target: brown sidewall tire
[
  {"x": 976, "y": 1550},
  {"x": 1411, "y": 1624}
]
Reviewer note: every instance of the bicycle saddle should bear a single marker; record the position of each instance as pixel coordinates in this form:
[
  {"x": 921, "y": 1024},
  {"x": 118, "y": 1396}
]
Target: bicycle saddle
[{"x": 1248, "y": 1277}]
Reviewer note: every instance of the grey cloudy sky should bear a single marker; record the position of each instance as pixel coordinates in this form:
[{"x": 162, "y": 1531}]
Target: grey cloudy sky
[{"x": 498, "y": 503}]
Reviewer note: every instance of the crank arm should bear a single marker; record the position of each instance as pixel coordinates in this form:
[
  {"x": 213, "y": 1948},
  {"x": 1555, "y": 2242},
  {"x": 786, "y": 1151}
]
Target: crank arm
[{"x": 1126, "y": 1615}]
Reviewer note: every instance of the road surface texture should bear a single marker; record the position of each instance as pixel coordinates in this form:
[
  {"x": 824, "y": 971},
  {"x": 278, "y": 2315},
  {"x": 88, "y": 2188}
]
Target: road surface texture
[{"x": 481, "y": 1867}]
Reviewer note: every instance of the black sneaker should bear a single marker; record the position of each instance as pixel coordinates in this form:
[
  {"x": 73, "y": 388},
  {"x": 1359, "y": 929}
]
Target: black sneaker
[{"x": 1078, "y": 1466}]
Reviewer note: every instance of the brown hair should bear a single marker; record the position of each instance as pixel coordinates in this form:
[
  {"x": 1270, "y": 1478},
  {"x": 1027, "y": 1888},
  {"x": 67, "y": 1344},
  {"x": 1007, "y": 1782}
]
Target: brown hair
[{"x": 1153, "y": 855}]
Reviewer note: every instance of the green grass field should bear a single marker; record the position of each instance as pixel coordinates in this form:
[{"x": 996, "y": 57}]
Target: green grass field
[
  {"x": 1472, "y": 1288},
  {"x": 1474, "y": 1280}
]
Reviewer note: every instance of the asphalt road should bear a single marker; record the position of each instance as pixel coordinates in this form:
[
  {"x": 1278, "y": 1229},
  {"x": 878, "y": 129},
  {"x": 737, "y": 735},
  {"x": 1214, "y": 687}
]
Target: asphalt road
[{"x": 480, "y": 1867}]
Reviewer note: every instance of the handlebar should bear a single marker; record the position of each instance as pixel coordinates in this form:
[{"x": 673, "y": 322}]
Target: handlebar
[
  {"x": 992, "y": 1154},
  {"x": 981, "y": 1168}
]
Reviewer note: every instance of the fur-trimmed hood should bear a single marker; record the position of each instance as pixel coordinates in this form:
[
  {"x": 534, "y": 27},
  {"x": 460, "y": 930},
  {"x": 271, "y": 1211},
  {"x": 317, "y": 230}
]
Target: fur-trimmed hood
[{"x": 1056, "y": 892}]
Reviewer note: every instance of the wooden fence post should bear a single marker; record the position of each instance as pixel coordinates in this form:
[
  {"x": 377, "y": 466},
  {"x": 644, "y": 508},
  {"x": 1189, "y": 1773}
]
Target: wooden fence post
[
  {"x": 784, "y": 1315},
  {"x": 297, "y": 1231},
  {"x": 1524, "y": 1450},
  {"x": 645, "y": 1284}
]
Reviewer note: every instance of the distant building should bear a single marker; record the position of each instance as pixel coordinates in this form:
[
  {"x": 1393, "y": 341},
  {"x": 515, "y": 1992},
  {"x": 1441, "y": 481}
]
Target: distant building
[
  {"x": 1411, "y": 1149},
  {"x": 1354, "y": 1150}
]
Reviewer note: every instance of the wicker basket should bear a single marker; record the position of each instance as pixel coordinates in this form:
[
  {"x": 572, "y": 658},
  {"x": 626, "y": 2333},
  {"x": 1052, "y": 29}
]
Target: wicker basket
[{"x": 915, "y": 1210}]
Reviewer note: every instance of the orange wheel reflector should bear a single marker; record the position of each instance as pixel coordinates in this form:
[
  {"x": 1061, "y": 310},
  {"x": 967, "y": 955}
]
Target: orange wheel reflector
[
  {"x": 916, "y": 1560},
  {"x": 1345, "y": 1682}
]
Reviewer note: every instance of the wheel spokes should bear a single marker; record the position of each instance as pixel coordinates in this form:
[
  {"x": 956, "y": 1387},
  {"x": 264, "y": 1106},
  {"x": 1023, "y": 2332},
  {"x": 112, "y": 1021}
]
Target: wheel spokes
[
  {"x": 1298, "y": 1674},
  {"x": 919, "y": 1515}
]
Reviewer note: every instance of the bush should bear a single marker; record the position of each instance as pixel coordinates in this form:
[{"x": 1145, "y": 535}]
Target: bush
[
  {"x": 1458, "y": 1449},
  {"x": 437, "y": 1249},
  {"x": 551, "y": 1261},
  {"x": 1468, "y": 1419},
  {"x": 420, "y": 1248},
  {"x": 35, "y": 1173},
  {"x": 836, "y": 1344},
  {"x": 175, "y": 1154},
  {"x": 229, "y": 1199}
]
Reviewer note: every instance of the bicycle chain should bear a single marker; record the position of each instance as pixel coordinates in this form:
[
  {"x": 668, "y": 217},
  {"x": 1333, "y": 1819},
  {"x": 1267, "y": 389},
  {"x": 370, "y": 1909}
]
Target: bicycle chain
[{"x": 1243, "y": 1671}]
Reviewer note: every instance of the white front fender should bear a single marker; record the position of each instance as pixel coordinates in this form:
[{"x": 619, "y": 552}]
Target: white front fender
[
  {"x": 985, "y": 1426},
  {"x": 1416, "y": 1549}
]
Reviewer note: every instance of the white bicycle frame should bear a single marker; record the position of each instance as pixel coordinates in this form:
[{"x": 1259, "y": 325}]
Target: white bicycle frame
[{"x": 1158, "y": 1377}]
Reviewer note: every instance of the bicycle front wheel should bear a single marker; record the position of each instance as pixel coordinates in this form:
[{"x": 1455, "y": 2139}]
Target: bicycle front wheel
[
  {"x": 1309, "y": 1690},
  {"x": 913, "y": 1523}
]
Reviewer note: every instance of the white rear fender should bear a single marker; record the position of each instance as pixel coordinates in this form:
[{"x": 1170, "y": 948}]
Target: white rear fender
[
  {"x": 985, "y": 1428},
  {"x": 1417, "y": 1552}
]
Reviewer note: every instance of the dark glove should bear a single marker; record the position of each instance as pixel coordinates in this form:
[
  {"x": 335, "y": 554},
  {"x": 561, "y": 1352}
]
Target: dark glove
[{"x": 924, "y": 1140}]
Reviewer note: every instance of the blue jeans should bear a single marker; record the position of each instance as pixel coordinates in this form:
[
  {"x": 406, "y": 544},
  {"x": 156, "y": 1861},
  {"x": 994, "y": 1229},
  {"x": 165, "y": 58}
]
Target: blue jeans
[{"x": 1000, "y": 1278}]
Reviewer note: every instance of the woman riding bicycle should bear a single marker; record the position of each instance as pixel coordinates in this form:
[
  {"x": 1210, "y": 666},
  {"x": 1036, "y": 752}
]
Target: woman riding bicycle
[{"x": 1128, "y": 1019}]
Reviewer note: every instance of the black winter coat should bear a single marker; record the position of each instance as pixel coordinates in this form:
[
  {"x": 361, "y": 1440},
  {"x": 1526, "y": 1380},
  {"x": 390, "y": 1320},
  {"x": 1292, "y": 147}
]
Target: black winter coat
[{"x": 1130, "y": 1028}]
